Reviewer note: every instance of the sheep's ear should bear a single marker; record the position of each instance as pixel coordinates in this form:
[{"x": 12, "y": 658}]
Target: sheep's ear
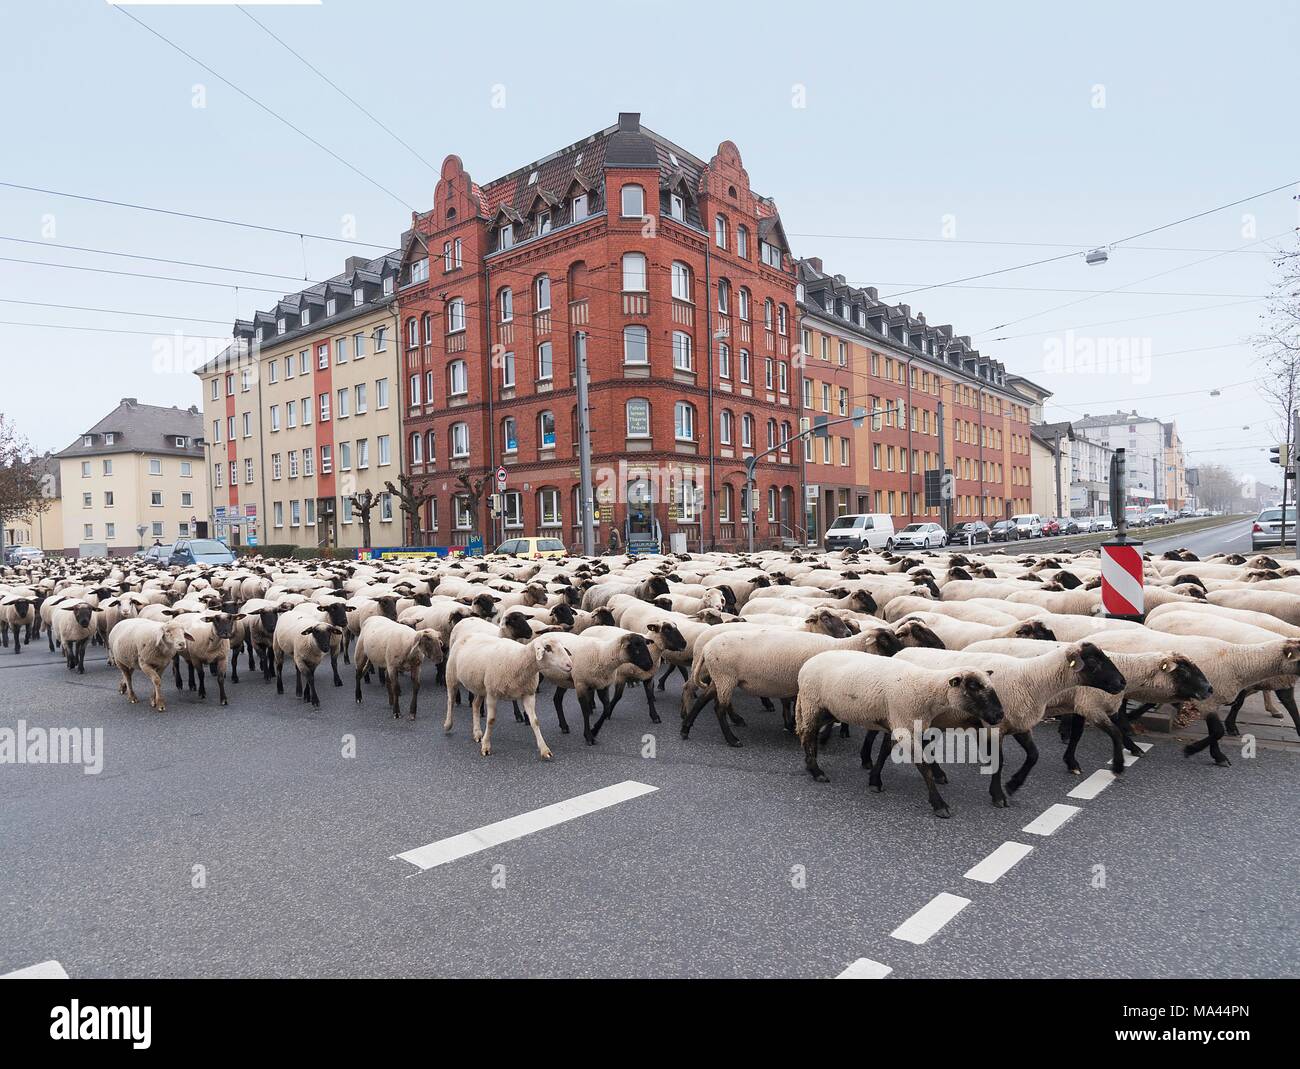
[
  {"x": 1164, "y": 666},
  {"x": 539, "y": 651},
  {"x": 308, "y": 631},
  {"x": 188, "y": 636},
  {"x": 653, "y": 627},
  {"x": 1073, "y": 662},
  {"x": 349, "y": 608},
  {"x": 336, "y": 630},
  {"x": 954, "y": 681}
]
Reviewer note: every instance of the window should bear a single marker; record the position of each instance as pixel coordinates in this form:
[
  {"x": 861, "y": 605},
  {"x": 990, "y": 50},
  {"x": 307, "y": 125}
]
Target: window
[
  {"x": 381, "y": 339},
  {"x": 345, "y": 456},
  {"x": 457, "y": 378},
  {"x": 459, "y": 440},
  {"x": 634, "y": 271},
  {"x": 548, "y": 501},
  {"x": 681, "y": 281},
  {"x": 509, "y": 439},
  {"x": 725, "y": 431},
  {"x": 295, "y": 513},
  {"x": 724, "y": 360},
  {"x": 807, "y": 393},
  {"x": 385, "y": 445},
  {"x": 544, "y": 363},
  {"x": 248, "y": 469},
  {"x": 326, "y": 460},
  {"x": 742, "y": 243},
  {"x": 358, "y": 346},
  {"x": 783, "y": 377},
  {"x": 88, "y": 500},
  {"x": 186, "y": 469},
  {"x": 309, "y": 462},
  {"x": 546, "y": 430},
  {"x": 324, "y": 407},
  {"x": 216, "y": 431},
  {"x": 386, "y": 502},
  {"x": 420, "y": 271},
  {"x": 507, "y": 370},
  {"x": 428, "y": 387},
  {"x": 505, "y": 236},
  {"x": 782, "y": 320},
  {"x": 345, "y": 503},
  {"x": 684, "y": 421},
  {"x": 280, "y": 325},
  {"x": 513, "y": 504},
  {"x": 361, "y": 408},
  {"x": 542, "y": 293},
  {"x": 826, "y": 397},
  {"x": 455, "y": 315},
  {"x": 187, "y": 500},
  {"x": 304, "y": 362},
  {"x": 363, "y": 453},
  {"x": 310, "y": 511},
  {"x": 216, "y": 392},
  {"x": 305, "y": 409},
  {"x": 413, "y": 390},
  {"x": 844, "y": 401},
  {"x": 744, "y": 365},
  {"x": 638, "y": 418},
  {"x": 248, "y": 425},
  {"x": 276, "y": 467},
  {"x": 345, "y": 399},
  {"x": 293, "y": 463},
  {"x": 340, "y": 350},
  {"x": 720, "y": 232},
  {"x": 543, "y": 224},
  {"x": 636, "y": 345},
  {"x": 632, "y": 202},
  {"x": 89, "y": 531},
  {"x": 682, "y": 351},
  {"x": 578, "y": 207},
  {"x": 747, "y": 431},
  {"x": 381, "y": 393},
  {"x": 155, "y": 498},
  {"x": 323, "y": 357},
  {"x": 742, "y": 305},
  {"x": 676, "y": 206},
  {"x": 110, "y": 530},
  {"x": 768, "y": 367},
  {"x": 769, "y": 254},
  {"x": 155, "y": 467},
  {"x": 412, "y": 333},
  {"x": 358, "y": 297},
  {"x": 767, "y": 313},
  {"x": 506, "y": 305},
  {"x": 448, "y": 257},
  {"x": 291, "y": 414},
  {"x": 108, "y": 466}
]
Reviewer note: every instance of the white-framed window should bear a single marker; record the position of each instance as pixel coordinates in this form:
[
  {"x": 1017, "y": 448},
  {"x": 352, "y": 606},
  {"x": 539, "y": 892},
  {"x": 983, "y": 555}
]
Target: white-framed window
[
  {"x": 459, "y": 440},
  {"x": 187, "y": 499},
  {"x": 420, "y": 271},
  {"x": 155, "y": 467},
  {"x": 293, "y": 463},
  {"x": 247, "y": 427},
  {"x": 455, "y": 315},
  {"x": 513, "y": 508},
  {"x": 684, "y": 421},
  {"x": 726, "y": 428},
  {"x": 277, "y": 469},
  {"x": 458, "y": 378},
  {"x": 295, "y": 513},
  {"x": 290, "y": 414},
  {"x": 543, "y": 223},
  {"x": 428, "y": 387},
  {"x": 682, "y": 359},
  {"x": 742, "y": 304},
  {"x": 360, "y": 391},
  {"x": 385, "y": 445},
  {"x": 724, "y": 297},
  {"x": 636, "y": 345},
  {"x": 326, "y": 459},
  {"x": 768, "y": 365},
  {"x": 155, "y": 499},
  {"x": 363, "y": 453},
  {"x": 344, "y": 403},
  {"x": 110, "y": 530},
  {"x": 742, "y": 242},
  {"x": 676, "y": 206},
  {"x": 304, "y": 317},
  {"x": 280, "y": 325},
  {"x": 386, "y": 505},
  {"x": 769, "y": 254},
  {"x": 542, "y": 293},
  {"x": 345, "y": 506},
  {"x": 309, "y": 511},
  {"x": 216, "y": 392},
  {"x": 632, "y": 201},
  {"x": 783, "y": 377},
  {"x": 681, "y": 281},
  {"x": 724, "y": 360},
  {"x": 505, "y": 236},
  {"x": 578, "y": 207},
  {"x": 412, "y": 333},
  {"x": 546, "y": 430},
  {"x": 108, "y": 465},
  {"x": 548, "y": 503},
  {"x": 744, "y": 365},
  {"x": 248, "y": 469},
  {"x": 545, "y": 364},
  {"x": 88, "y": 500},
  {"x": 720, "y": 231},
  {"x": 461, "y": 515},
  {"x": 381, "y": 339},
  {"x": 634, "y": 272},
  {"x": 747, "y": 431},
  {"x": 507, "y": 370},
  {"x": 187, "y": 469},
  {"x": 345, "y": 456},
  {"x": 509, "y": 436},
  {"x": 638, "y": 417},
  {"x": 413, "y": 390},
  {"x": 358, "y": 346},
  {"x": 324, "y": 407},
  {"x": 358, "y": 297},
  {"x": 305, "y": 409},
  {"x": 323, "y": 357},
  {"x": 381, "y": 393},
  {"x": 506, "y": 305},
  {"x": 417, "y": 448}
]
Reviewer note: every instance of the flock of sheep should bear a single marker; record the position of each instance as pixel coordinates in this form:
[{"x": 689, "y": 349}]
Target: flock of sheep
[{"x": 883, "y": 642}]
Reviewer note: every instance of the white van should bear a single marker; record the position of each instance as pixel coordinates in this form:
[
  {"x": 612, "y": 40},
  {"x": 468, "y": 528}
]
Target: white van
[
  {"x": 868, "y": 530},
  {"x": 1157, "y": 514},
  {"x": 1029, "y": 525}
]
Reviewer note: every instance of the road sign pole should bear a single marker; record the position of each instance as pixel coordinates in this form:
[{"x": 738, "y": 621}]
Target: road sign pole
[
  {"x": 585, "y": 495},
  {"x": 1121, "y": 559}
]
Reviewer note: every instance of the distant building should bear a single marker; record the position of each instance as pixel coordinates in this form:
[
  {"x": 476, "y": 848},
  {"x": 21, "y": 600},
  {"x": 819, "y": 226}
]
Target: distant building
[
  {"x": 134, "y": 478},
  {"x": 1050, "y": 459},
  {"x": 1089, "y": 477},
  {"x": 1175, "y": 463},
  {"x": 44, "y": 530},
  {"x": 1143, "y": 440}
]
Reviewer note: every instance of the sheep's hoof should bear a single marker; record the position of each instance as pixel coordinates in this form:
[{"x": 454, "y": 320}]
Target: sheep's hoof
[
  {"x": 224, "y": 702},
  {"x": 654, "y": 718},
  {"x": 121, "y": 688},
  {"x": 546, "y": 755},
  {"x": 1234, "y": 731},
  {"x": 1223, "y": 762},
  {"x": 943, "y": 812},
  {"x": 686, "y": 733},
  {"x": 1075, "y": 770},
  {"x": 878, "y": 788},
  {"x": 590, "y": 739},
  {"x": 485, "y": 750},
  {"x": 735, "y": 744},
  {"x": 1001, "y": 803},
  {"x": 820, "y": 777}
]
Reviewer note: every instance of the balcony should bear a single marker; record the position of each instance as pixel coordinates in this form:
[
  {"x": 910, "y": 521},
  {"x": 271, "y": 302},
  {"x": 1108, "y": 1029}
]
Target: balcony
[
  {"x": 636, "y": 304},
  {"x": 578, "y": 313},
  {"x": 542, "y": 322},
  {"x": 683, "y": 313}
]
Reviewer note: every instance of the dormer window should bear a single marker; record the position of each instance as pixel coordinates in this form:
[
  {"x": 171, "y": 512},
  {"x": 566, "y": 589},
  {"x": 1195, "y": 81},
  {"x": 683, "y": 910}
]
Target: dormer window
[
  {"x": 259, "y": 333},
  {"x": 676, "y": 206},
  {"x": 543, "y": 224},
  {"x": 110, "y": 438},
  {"x": 769, "y": 254},
  {"x": 388, "y": 285},
  {"x": 420, "y": 270},
  {"x": 280, "y": 325},
  {"x": 532, "y": 179},
  {"x": 506, "y": 236},
  {"x": 88, "y": 440},
  {"x": 331, "y": 306},
  {"x": 181, "y": 443},
  {"x": 358, "y": 297},
  {"x": 578, "y": 207}
]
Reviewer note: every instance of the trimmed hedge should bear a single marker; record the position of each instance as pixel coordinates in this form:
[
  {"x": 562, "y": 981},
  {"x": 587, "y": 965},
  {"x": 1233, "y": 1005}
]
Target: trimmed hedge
[{"x": 285, "y": 551}]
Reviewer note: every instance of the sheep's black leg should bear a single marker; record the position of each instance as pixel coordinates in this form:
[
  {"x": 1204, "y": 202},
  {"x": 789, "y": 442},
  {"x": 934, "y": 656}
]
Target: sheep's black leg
[
  {"x": 618, "y": 695},
  {"x": 1214, "y": 732},
  {"x": 937, "y": 803},
  {"x": 234, "y": 665},
  {"x": 559, "y": 709},
  {"x": 4, "y": 634},
  {"x": 519, "y": 716},
  {"x": 357, "y": 673},
  {"x": 588, "y": 731},
  {"x": 710, "y": 694},
  {"x": 203, "y": 693},
  {"x": 1287, "y": 697},
  {"x": 189, "y": 667},
  {"x": 668, "y": 670},
  {"x": 650, "y": 700},
  {"x": 1116, "y": 746},
  {"x": 1026, "y": 740},
  {"x": 809, "y": 737},
  {"x": 311, "y": 688},
  {"x": 867, "y": 744},
  {"x": 1076, "y": 732},
  {"x": 49, "y": 635},
  {"x": 279, "y": 676},
  {"x": 828, "y": 725},
  {"x": 844, "y": 728},
  {"x": 81, "y": 656},
  {"x": 874, "y": 781},
  {"x": 442, "y": 673},
  {"x": 1230, "y": 725},
  {"x": 767, "y": 704},
  {"x": 787, "y": 714},
  {"x": 415, "y": 692},
  {"x": 996, "y": 793},
  {"x": 221, "y": 687},
  {"x": 727, "y": 733},
  {"x": 334, "y": 664},
  {"x": 297, "y": 681}
]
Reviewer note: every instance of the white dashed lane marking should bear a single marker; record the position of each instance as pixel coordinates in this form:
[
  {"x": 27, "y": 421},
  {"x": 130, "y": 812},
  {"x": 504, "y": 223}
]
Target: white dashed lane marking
[
  {"x": 503, "y": 831},
  {"x": 1050, "y": 819},
  {"x": 865, "y": 969},
  {"x": 46, "y": 970},
  {"x": 1093, "y": 785},
  {"x": 1000, "y": 862},
  {"x": 930, "y": 918}
]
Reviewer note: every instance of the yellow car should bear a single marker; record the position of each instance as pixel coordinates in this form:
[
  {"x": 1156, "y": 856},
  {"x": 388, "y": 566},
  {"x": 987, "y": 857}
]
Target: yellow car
[{"x": 532, "y": 548}]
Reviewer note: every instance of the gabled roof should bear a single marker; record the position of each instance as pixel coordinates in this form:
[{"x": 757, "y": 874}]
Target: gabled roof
[{"x": 141, "y": 428}]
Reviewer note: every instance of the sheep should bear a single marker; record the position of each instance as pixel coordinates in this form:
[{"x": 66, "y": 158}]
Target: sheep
[
  {"x": 18, "y": 610},
  {"x": 767, "y": 665},
  {"x": 857, "y": 688},
  {"x": 495, "y": 668},
  {"x": 957, "y": 634},
  {"x": 396, "y": 648},
  {"x": 596, "y": 664},
  {"x": 306, "y": 642},
  {"x": 207, "y": 646},
  {"x": 148, "y": 646},
  {"x": 663, "y": 636},
  {"x": 73, "y": 624}
]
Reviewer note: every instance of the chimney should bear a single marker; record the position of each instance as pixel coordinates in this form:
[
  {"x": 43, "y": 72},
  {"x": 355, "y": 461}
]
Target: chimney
[
  {"x": 815, "y": 262},
  {"x": 130, "y": 402},
  {"x": 354, "y": 263},
  {"x": 629, "y": 121}
]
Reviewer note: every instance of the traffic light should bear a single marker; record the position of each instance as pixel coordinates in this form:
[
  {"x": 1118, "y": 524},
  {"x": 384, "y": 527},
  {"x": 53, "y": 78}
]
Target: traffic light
[{"x": 1281, "y": 455}]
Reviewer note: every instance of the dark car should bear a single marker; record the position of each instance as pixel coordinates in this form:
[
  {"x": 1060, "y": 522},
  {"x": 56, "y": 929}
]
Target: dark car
[
  {"x": 1004, "y": 531},
  {"x": 969, "y": 534},
  {"x": 201, "y": 551},
  {"x": 1068, "y": 525}
]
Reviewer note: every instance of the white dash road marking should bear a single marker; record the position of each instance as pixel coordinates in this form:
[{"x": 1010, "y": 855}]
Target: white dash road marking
[
  {"x": 1000, "y": 862},
  {"x": 930, "y": 918},
  {"x": 1050, "y": 819},
  {"x": 46, "y": 970},
  {"x": 1130, "y": 759},
  {"x": 865, "y": 969},
  {"x": 503, "y": 831},
  {"x": 1144, "y": 746},
  {"x": 1093, "y": 785}
]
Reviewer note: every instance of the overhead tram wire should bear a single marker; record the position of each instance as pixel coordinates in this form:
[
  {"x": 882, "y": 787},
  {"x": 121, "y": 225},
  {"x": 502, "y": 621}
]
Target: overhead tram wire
[
  {"x": 270, "y": 111},
  {"x": 109, "y": 311}
]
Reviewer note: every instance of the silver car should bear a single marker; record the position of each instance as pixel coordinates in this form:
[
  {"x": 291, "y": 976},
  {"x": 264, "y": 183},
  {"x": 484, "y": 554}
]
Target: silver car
[
  {"x": 920, "y": 536},
  {"x": 1267, "y": 528}
]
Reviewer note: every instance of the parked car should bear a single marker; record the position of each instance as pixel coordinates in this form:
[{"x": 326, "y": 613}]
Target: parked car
[
  {"x": 1050, "y": 527},
  {"x": 1067, "y": 524},
  {"x": 920, "y": 536},
  {"x": 1135, "y": 516},
  {"x": 1201, "y": 512},
  {"x": 200, "y": 551},
  {"x": 1030, "y": 525},
  {"x": 863, "y": 530},
  {"x": 23, "y": 554},
  {"x": 1158, "y": 514},
  {"x": 534, "y": 548},
  {"x": 1005, "y": 531},
  {"x": 1084, "y": 524},
  {"x": 969, "y": 534},
  {"x": 1103, "y": 523},
  {"x": 1267, "y": 528},
  {"x": 159, "y": 554}
]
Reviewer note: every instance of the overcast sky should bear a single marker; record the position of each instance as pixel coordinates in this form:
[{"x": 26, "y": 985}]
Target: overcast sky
[{"x": 954, "y": 126}]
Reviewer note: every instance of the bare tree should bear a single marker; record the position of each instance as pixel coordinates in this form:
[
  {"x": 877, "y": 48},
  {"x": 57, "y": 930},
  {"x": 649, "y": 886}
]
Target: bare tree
[
  {"x": 364, "y": 503},
  {"x": 1218, "y": 488},
  {"x": 23, "y": 488},
  {"x": 474, "y": 490},
  {"x": 411, "y": 502},
  {"x": 1279, "y": 348}
]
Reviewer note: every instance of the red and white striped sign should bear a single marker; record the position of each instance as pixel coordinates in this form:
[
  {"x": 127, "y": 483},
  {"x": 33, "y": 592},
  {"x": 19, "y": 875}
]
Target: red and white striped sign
[{"x": 1121, "y": 579}]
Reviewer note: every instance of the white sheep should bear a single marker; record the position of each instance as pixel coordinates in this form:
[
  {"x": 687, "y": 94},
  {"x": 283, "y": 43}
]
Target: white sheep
[
  {"x": 306, "y": 642},
  {"x": 148, "y": 646},
  {"x": 596, "y": 664},
  {"x": 395, "y": 648}
]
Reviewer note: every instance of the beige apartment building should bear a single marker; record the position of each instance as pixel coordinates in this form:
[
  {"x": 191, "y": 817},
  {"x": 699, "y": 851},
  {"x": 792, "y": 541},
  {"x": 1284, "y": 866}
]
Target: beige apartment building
[
  {"x": 134, "y": 478},
  {"x": 303, "y": 412}
]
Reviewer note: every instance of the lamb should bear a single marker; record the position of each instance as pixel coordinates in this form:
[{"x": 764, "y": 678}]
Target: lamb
[
  {"x": 306, "y": 642},
  {"x": 148, "y": 646},
  {"x": 493, "y": 669},
  {"x": 767, "y": 665},
  {"x": 857, "y": 688},
  {"x": 396, "y": 648},
  {"x": 596, "y": 665}
]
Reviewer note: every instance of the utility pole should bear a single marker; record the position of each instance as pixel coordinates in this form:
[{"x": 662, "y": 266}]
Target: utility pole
[
  {"x": 585, "y": 493},
  {"x": 943, "y": 497}
]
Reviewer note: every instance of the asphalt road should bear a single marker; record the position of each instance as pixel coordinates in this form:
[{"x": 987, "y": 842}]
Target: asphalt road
[{"x": 736, "y": 864}]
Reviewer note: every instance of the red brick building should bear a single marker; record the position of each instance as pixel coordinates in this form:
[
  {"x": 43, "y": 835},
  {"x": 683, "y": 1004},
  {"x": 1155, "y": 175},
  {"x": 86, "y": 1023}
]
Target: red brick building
[{"x": 678, "y": 280}]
